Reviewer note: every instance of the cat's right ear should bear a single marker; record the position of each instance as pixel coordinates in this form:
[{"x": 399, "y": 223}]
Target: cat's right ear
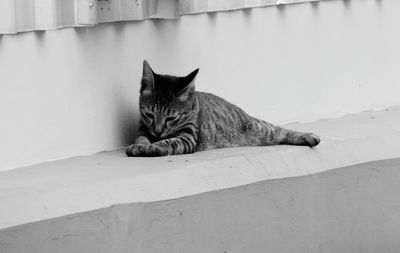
[
  {"x": 147, "y": 79},
  {"x": 187, "y": 86}
]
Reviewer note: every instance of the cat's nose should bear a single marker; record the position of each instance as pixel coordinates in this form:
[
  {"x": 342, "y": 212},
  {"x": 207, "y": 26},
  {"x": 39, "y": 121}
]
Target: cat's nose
[{"x": 158, "y": 131}]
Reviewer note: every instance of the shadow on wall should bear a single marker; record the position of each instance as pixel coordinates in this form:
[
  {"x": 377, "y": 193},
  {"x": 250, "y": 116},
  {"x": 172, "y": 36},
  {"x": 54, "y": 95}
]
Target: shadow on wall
[
  {"x": 124, "y": 100},
  {"x": 126, "y": 119},
  {"x": 160, "y": 24},
  {"x": 40, "y": 35},
  {"x": 379, "y": 2},
  {"x": 281, "y": 9},
  {"x": 212, "y": 16},
  {"x": 247, "y": 12},
  {"x": 346, "y": 3},
  {"x": 40, "y": 39},
  {"x": 127, "y": 115}
]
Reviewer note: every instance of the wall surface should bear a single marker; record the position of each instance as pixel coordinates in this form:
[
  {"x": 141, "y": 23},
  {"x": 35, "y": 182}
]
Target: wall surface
[{"x": 75, "y": 91}]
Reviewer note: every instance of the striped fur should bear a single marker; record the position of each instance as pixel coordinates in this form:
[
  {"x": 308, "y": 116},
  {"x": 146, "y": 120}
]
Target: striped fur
[{"x": 176, "y": 119}]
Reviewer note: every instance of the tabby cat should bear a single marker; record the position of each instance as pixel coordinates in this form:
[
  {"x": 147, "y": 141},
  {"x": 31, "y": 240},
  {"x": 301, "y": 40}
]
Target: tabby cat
[{"x": 176, "y": 119}]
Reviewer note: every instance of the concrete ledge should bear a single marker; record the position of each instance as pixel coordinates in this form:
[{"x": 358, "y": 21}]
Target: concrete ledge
[
  {"x": 347, "y": 210},
  {"x": 61, "y": 203}
]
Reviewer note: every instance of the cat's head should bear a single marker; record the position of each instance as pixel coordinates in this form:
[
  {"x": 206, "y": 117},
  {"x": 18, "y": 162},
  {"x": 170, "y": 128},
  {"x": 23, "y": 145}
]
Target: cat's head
[{"x": 165, "y": 101}]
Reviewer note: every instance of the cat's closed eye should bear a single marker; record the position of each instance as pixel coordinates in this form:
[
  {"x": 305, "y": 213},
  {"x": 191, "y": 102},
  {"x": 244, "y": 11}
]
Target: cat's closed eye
[
  {"x": 148, "y": 115},
  {"x": 169, "y": 119}
]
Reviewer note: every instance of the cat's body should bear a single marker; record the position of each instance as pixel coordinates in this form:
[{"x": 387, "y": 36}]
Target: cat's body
[{"x": 176, "y": 119}]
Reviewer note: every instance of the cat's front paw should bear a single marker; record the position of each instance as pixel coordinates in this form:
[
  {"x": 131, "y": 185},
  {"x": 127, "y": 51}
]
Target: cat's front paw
[
  {"x": 135, "y": 150},
  {"x": 310, "y": 139},
  {"x": 145, "y": 150},
  {"x": 154, "y": 150}
]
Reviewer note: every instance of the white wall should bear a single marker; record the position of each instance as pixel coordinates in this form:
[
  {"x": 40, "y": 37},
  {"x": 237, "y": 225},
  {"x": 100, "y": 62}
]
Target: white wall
[{"x": 75, "y": 91}]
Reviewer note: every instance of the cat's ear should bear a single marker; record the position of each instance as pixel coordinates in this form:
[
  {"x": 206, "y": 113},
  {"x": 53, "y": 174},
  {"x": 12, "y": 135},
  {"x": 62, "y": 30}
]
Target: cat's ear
[
  {"x": 187, "y": 86},
  {"x": 147, "y": 79}
]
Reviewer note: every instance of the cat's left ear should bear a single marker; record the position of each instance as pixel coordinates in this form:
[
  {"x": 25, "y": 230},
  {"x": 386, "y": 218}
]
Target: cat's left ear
[
  {"x": 188, "y": 86},
  {"x": 147, "y": 79}
]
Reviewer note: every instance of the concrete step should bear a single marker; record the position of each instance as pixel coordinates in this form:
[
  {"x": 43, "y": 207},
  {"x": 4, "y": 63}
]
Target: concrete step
[{"x": 248, "y": 199}]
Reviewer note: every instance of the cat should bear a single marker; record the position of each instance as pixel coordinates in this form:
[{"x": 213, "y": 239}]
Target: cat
[{"x": 176, "y": 119}]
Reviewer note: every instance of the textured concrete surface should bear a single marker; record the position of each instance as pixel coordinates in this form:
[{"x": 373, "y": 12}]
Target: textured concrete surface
[
  {"x": 352, "y": 209},
  {"x": 285, "y": 198}
]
